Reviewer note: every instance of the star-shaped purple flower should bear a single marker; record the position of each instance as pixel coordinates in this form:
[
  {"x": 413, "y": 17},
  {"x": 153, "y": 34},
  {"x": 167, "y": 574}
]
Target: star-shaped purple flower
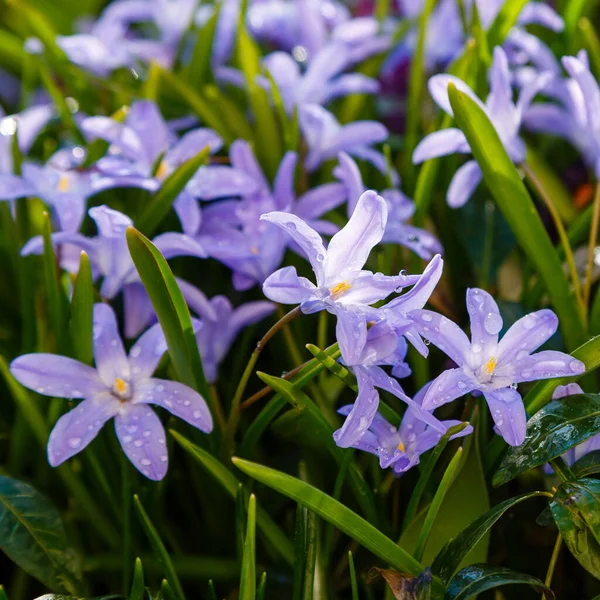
[
  {"x": 490, "y": 366},
  {"x": 121, "y": 386}
]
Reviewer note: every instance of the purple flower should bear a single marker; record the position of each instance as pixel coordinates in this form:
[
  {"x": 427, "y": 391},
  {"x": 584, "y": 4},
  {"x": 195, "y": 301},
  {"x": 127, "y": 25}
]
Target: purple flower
[
  {"x": 326, "y": 138},
  {"x": 341, "y": 280},
  {"x": 505, "y": 116},
  {"x": 110, "y": 258},
  {"x": 593, "y": 443},
  {"x": 121, "y": 386},
  {"x": 490, "y": 366},
  {"x": 144, "y": 151},
  {"x": 220, "y": 324},
  {"x": 577, "y": 120},
  {"x": 401, "y": 448},
  {"x": 400, "y": 209}
]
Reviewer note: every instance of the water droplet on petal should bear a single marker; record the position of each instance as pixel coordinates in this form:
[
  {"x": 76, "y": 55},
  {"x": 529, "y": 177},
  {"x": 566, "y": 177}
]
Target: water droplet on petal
[
  {"x": 138, "y": 443},
  {"x": 135, "y": 351},
  {"x": 197, "y": 414},
  {"x": 320, "y": 257},
  {"x": 145, "y": 462},
  {"x": 363, "y": 423},
  {"x": 492, "y": 323},
  {"x": 290, "y": 225},
  {"x": 576, "y": 366},
  {"x": 127, "y": 439},
  {"x": 529, "y": 321},
  {"x": 427, "y": 318},
  {"x": 476, "y": 348},
  {"x": 75, "y": 442}
]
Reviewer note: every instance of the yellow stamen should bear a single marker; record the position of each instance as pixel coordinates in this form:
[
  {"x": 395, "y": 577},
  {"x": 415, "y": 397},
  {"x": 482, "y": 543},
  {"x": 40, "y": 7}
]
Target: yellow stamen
[
  {"x": 340, "y": 288},
  {"x": 120, "y": 385},
  {"x": 254, "y": 250},
  {"x": 490, "y": 365},
  {"x": 401, "y": 447},
  {"x": 162, "y": 170},
  {"x": 63, "y": 184}
]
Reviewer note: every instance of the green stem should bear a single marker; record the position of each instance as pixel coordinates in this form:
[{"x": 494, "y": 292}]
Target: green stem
[
  {"x": 591, "y": 247},
  {"x": 562, "y": 470},
  {"x": 126, "y": 498},
  {"x": 553, "y": 559},
  {"x": 234, "y": 415}
]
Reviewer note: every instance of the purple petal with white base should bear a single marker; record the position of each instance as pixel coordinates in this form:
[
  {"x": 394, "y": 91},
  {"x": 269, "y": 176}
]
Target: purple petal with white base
[{"x": 508, "y": 412}]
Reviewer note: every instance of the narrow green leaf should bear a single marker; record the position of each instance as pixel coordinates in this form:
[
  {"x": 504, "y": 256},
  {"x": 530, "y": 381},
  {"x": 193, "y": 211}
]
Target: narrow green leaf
[
  {"x": 159, "y": 548},
  {"x": 592, "y": 44},
  {"x": 161, "y": 202},
  {"x": 508, "y": 190},
  {"x": 574, "y": 10},
  {"x": 33, "y": 536},
  {"x": 552, "y": 431},
  {"x": 436, "y": 503},
  {"x": 333, "y": 366},
  {"x": 576, "y": 512},
  {"x": 260, "y": 424},
  {"x": 505, "y": 20},
  {"x": 333, "y": 512},
  {"x": 353, "y": 581},
  {"x": 81, "y": 317},
  {"x": 166, "y": 591},
  {"x": 248, "y": 575},
  {"x": 212, "y": 593},
  {"x": 448, "y": 561},
  {"x": 3, "y": 593},
  {"x": 262, "y": 587},
  {"x": 476, "y": 579},
  {"x": 12, "y": 53},
  {"x": 587, "y": 465},
  {"x": 240, "y": 518},
  {"x": 171, "y": 309},
  {"x": 198, "y": 71},
  {"x": 230, "y": 484},
  {"x": 137, "y": 587},
  {"x": 321, "y": 430}
]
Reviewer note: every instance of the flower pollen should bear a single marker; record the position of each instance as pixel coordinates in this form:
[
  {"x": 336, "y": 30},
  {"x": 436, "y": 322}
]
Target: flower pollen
[
  {"x": 63, "y": 184},
  {"x": 163, "y": 170},
  {"x": 401, "y": 447},
  {"x": 339, "y": 289},
  {"x": 121, "y": 388},
  {"x": 490, "y": 365}
]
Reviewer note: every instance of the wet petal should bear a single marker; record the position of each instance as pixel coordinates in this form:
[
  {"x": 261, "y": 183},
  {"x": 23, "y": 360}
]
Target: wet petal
[
  {"x": 179, "y": 399},
  {"x": 351, "y": 334},
  {"x": 143, "y": 440},
  {"x": 109, "y": 353},
  {"x": 562, "y": 391},
  {"x": 441, "y": 143},
  {"x": 56, "y": 376},
  {"x": 284, "y": 191},
  {"x": 368, "y": 288},
  {"x": 348, "y": 173},
  {"x": 286, "y": 287},
  {"x": 450, "y": 385},
  {"x": 173, "y": 244},
  {"x": 320, "y": 200},
  {"x": 13, "y": 187},
  {"x": 76, "y": 429},
  {"x": 486, "y": 321},
  {"x": 146, "y": 353},
  {"x": 508, "y": 412},
  {"x": 541, "y": 365},
  {"x": 438, "y": 88},
  {"x": 463, "y": 184}
]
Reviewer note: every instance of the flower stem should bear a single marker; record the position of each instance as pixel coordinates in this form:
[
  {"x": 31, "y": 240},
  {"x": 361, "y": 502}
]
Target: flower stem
[
  {"x": 553, "y": 559},
  {"x": 234, "y": 414},
  {"x": 591, "y": 247},
  {"x": 562, "y": 470},
  {"x": 562, "y": 234}
]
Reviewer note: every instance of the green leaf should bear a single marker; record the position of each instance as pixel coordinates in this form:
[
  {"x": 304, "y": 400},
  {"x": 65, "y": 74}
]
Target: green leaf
[
  {"x": 333, "y": 512},
  {"x": 262, "y": 587},
  {"x": 2, "y": 593},
  {"x": 230, "y": 484},
  {"x": 505, "y": 185},
  {"x": 322, "y": 433},
  {"x": 587, "y": 465},
  {"x": 198, "y": 71},
  {"x": 436, "y": 503},
  {"x": 32, "y": 536},
  {"x": 558, "y": 426},
  {"x": 161, "y": 202},
  {"x": 353, "y": 581},
  {"x": 448, "y": 561},
  {"x": 260, "y": 424},
  {"x": 305, "y": 551},
  {"x": 166, "y": 591},
  {"x": 476, "y": 579},
  {"x": 591, "y": 43},
  {"x": 248, "y": 575},
  {"x": 137, "y": 587},
  {"x": 505, "y": 20},
  {"x": 160, "y": 551},
  {"x": 171, "y": 309},
  {"x": 576, "y": 512},
  {"x": 82, "y": 307}
]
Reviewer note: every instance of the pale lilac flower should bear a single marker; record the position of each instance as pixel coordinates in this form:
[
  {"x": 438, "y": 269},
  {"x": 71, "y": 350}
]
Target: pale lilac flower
[
  {"x": 326, "y": 138},
  {"x": 144, "y": 151},
  {"x": 490, "y": 366},
  {"x": 110, "y": 258},
  {"x": 504, "y": 114},
  {"x": 591, "y": 444},
  {"x": 322, "y": 82},
  {"x": 220, "y": 324},
  {"x": 341, "y": 280},
  {"x": 400, "y": 209},
  {"x": 576, "y": 118},
  {"x": 401, "y": 448},
  {"x": 121, "y": 386}
]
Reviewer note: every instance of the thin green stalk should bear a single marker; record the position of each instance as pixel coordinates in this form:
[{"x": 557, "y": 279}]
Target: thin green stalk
[
  {"x": 234, "y": 414},
  {"x": 562, "y": 470},
  {"x": 436, "y": 504},
  {"x": 582, "y": 302},
  {"x": 591, "y": 247},
  {"x": 552, "y": 563},
  {"x": 290, "y": 341},
  {"x": 126, "y": 498}
]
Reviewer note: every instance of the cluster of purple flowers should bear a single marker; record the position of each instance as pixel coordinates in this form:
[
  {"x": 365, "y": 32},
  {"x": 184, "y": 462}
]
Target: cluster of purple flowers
[{"x": 230, "y": 212}]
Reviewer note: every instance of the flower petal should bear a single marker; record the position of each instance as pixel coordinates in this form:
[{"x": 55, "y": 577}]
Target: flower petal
[
  {"x": 351, "y": 334},
  {"x": 143, "y": 440},
  {"x": 191, "y": 144},
  {"x": 146, "y": 353},
  {"x": 443, "y": 333},
  {"x": 320, "y": 200},
  {"x": 212, "y": 182},
  {"x": 450, "y": 385},
  {"x": 348, "y": 173},
  {"x": 541, "y": 365},
  {"x": 109, "y": 353},
  {"x": 441, "y": 143},
  {"x": 351, "y": 83},
  {"x": 13, "y": 187},
  {"x": 305, "y": 236},
  {"x": 349, "y": 248},
  {"x": 526, "y": 335},
  {"x": 137, "y": 308},
  {"x": 173, "y": 244},
  {"x": 188, "y": 212},
  {"x": 284, "y": 192},
  {"x": 243, "y": 158},
  {"x": 56, "y": 376},
  {"x": 438, "y": 88},
  {"x": 179, "y": 399},
  {"x": 248, "y": 314},
  {"x": 359, "y": 133},
  {"x": 508, "y": 412},
  {"x": 368, "y": 288},
  {"x": 284, "y": 286},
  {"x": 76, "y": 429},
  {"x": 463, "y": 184},
  {"x": 486, "y": 321}
]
